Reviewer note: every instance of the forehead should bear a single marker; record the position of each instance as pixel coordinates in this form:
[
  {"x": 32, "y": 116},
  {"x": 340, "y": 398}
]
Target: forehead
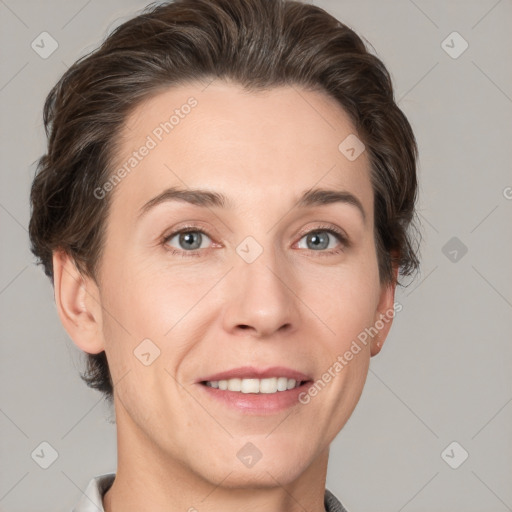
[{"x": 256, "y": 146}]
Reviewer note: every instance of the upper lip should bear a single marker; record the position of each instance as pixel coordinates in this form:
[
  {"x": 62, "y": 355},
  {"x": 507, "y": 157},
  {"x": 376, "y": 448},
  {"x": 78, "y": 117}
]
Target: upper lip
[{"x": 251, "y": 372}]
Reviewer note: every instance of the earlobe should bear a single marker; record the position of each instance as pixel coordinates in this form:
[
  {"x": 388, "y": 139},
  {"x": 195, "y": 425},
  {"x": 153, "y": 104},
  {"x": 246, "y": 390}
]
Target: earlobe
[
  {"x": 77, "y": 303},
  {"x": 376, "y": 345}
]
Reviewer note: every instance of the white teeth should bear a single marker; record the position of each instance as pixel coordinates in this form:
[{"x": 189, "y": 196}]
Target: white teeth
[
  {"x": 282, "y": 384},
  {"x": 235, "y": 384},
  {"x": 270, "y": 385},
  {"x": 250, "y": 386}
]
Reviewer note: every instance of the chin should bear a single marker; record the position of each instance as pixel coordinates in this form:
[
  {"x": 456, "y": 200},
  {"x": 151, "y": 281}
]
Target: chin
[
  {"x": 261, "y": 476},
  {"x": 250, "y": 467}
]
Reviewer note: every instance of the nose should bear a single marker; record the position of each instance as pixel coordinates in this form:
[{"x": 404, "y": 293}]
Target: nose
[{"x": 261, "y": 297}]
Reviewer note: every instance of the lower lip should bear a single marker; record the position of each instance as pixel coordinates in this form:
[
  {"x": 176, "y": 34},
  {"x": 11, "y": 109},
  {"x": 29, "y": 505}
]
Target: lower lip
[{"x": 258, "y": 403}]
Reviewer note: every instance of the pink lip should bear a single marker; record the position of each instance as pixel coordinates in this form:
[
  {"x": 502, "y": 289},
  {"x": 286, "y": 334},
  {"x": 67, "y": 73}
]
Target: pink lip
[
  {"x": 260, "y": 404},
  {"x": 250, "y": 372}
]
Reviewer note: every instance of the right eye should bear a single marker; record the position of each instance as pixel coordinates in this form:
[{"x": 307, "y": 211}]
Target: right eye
[{"x": 188, "y": 241}]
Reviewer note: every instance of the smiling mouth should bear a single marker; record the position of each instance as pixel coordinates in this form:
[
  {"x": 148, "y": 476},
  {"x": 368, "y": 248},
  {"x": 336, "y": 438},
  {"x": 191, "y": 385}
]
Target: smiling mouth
[{"x": 255, "y": 386}]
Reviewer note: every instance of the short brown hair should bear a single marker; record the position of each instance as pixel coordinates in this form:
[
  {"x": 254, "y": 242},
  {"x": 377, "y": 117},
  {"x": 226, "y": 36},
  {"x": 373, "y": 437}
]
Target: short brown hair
[{"x": 258, "y": 44}]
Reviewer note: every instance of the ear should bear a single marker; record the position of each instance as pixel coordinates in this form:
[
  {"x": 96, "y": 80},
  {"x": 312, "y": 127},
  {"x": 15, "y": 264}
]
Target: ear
[
  {"x": 385, "y": 313},
  {"x": 78, "y": 304}
]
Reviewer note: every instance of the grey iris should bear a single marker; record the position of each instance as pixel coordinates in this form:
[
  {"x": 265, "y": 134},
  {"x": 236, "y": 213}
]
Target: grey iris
[
  {"x": 189, "y": 239},
  {"x": 319, "y": 240}
]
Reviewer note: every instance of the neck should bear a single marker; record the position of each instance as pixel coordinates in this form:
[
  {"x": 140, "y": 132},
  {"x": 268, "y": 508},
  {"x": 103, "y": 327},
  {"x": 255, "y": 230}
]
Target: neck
[{"x": 146, "y": 480}]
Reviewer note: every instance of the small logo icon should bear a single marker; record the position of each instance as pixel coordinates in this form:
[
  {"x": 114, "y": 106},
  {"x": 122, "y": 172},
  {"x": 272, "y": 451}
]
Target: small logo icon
[
  {"x": 454, "y": 249},
  {"x": 454, "y": 455},
  {"x": 249, "y": 249},
  {"x": 44, "y": 45},
  {"x": 351, "y": 147},
  {"x": 146, "y": 352},
  {"x": 454, "y": 45},
  {"x": 249, "y": 455},
  {"x": 44, "y": 455}
]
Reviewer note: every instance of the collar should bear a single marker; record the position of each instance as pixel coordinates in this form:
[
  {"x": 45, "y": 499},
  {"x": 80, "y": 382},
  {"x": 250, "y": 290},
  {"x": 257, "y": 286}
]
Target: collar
[{"x": 92, "y": 499}]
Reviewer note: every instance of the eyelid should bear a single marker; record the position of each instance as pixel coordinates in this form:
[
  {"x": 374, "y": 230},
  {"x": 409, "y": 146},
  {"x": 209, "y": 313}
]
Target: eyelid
[
  {"x": 188, "y": 228},
  {"x": 184, "y": 228},
  {"x": 330, "y": 228}
]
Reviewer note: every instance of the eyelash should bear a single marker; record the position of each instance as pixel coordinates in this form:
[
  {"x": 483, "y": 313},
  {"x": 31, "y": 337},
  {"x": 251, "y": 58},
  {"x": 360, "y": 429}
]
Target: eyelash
[{"x": 197, "y": 252}]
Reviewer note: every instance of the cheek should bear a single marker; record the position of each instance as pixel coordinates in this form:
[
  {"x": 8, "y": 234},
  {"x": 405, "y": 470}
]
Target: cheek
[
  {"x": 152, "y": 318},
  {"x": 344, "y": 300},
  {"x": 147, "y": 301}
]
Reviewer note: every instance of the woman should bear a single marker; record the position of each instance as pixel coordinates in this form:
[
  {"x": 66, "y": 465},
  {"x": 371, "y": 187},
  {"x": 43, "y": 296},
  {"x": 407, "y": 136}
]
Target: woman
[{"x": 224, "y": 208}]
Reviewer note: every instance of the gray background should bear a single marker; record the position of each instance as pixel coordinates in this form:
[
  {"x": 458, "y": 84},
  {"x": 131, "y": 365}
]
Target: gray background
[{"x": 444, "y": 373}]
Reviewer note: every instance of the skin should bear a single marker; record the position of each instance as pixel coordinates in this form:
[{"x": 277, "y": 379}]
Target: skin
[{"x": 293, "y": 306}]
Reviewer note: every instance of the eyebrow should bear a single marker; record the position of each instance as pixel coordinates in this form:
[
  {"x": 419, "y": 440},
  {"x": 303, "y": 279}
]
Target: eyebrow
[{"x": 207, "y": 199}]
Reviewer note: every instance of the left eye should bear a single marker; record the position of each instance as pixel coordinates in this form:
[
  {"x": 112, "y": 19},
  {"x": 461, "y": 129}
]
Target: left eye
[
  {"x": 189, "y": 240},
  {"x": 319, "y": 239}
]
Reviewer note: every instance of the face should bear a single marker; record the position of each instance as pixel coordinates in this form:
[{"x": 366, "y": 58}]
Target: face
[{"x": 266, "y": 289}]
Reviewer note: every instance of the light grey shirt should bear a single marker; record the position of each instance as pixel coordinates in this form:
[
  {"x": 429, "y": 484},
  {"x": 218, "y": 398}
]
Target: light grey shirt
[{"x": 92, "y": 500}]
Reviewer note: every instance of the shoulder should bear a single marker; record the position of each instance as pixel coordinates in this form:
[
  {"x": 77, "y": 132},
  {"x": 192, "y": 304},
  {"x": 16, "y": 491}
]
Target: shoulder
[
  {"x": 332, "y": 504},
  {"x": 92, "y": 497}
]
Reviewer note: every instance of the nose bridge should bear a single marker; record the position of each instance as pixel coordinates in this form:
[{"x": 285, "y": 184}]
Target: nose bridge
[{"x": 261, "y": 289}]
